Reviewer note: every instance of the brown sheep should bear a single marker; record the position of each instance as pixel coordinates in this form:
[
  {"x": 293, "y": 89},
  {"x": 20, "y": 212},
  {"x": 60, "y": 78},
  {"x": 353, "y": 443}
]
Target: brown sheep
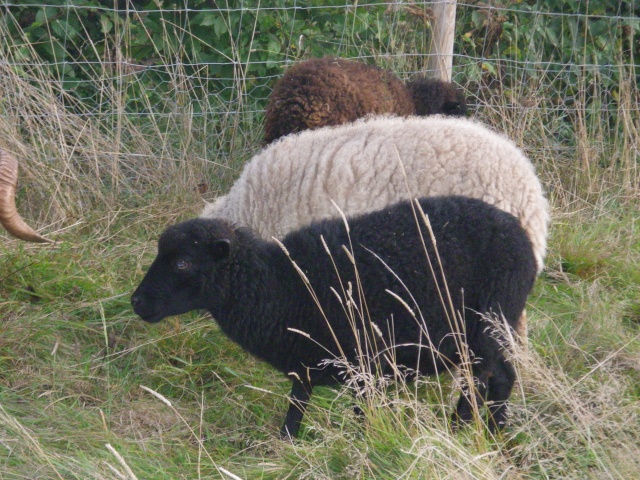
[{"x": 332, "y": 91}]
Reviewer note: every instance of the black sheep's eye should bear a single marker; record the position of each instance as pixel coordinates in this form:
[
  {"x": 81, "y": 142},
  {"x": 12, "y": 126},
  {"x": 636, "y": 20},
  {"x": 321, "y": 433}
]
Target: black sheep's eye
[{"x": 182, "y": 264}]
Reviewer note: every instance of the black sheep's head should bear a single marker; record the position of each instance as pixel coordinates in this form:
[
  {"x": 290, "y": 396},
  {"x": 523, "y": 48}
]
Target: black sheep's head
[
  {"x": 189, "y": 273},
  {"x": 433, "y": 96}
]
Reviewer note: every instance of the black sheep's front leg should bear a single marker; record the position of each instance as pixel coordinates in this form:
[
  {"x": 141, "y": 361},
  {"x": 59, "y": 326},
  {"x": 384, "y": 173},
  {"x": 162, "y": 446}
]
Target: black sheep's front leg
[
  {"x": 500, "y": 386},
  {"x": 478, "y": 390},
  {"x": 493, "y": 382},
  {"x": 300, "y": 395}
]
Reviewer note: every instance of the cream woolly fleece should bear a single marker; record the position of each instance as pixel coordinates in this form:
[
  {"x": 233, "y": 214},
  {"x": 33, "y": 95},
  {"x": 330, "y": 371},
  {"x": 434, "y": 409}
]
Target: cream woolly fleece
[{"x": 367, "y": 165}]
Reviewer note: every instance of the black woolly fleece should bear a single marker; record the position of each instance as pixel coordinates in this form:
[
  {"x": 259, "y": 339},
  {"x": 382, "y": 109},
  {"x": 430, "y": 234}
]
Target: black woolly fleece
[{"x": 260, "y": 301}]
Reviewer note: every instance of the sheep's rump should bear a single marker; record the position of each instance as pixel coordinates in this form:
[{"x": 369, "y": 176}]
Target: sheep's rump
[{"x": 369, "y": 164}]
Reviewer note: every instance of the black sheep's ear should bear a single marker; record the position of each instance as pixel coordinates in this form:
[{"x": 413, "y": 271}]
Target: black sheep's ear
[{"x": 221, "y": 248}]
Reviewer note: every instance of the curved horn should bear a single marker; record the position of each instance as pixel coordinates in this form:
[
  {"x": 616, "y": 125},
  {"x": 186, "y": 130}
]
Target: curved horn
[{"x": 9, "y": 216}]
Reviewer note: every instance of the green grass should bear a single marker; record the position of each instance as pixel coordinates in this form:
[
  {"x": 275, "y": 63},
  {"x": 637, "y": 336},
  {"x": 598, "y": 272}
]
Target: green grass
[{"x": 74, "y": 359}]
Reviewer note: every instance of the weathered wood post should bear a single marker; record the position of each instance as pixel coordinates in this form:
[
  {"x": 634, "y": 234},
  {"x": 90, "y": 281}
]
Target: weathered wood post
[{"x": 440, "y": 62}]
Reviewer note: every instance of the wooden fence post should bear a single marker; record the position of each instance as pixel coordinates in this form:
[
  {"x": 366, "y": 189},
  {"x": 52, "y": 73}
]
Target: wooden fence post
[{"x": 440, "y": 62}]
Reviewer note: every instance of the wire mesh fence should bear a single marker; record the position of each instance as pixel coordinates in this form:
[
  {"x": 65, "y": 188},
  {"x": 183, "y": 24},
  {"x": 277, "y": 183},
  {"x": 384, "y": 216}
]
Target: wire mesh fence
[{"x": 118, "y": 96}]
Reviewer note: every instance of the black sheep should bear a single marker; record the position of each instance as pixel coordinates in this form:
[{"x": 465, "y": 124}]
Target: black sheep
[
  {"x": 332, "y": 91},
  {"x": 432, "y": 96},
  {"x": 260, "y": 301}
]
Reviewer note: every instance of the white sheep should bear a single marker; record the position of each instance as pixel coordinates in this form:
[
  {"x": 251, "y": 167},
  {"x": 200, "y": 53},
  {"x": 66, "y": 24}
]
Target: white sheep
[{"x": 367, "y": 165}]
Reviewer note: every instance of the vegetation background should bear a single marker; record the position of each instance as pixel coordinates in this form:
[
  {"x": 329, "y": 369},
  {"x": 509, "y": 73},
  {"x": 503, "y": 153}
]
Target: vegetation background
[{"x": 126, "y": 115}]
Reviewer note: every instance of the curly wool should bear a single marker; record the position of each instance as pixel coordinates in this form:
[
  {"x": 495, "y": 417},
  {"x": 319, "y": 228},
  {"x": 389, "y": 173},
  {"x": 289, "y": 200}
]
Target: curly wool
[
  {"x": 332, "y": 91},
  {"x": 369, "y": 164}
]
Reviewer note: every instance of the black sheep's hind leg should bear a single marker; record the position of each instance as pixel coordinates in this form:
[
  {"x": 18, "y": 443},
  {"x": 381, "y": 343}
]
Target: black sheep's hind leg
[
  {"x": 300, "y": 395},
  {"x": 500, "y": 386}
]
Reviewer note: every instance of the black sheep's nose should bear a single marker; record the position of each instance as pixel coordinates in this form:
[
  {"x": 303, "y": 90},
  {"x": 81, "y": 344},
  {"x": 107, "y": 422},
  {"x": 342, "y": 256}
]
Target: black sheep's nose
[
  {"x": 143, "y": 307},
  {"x": 136, "y": 301}
]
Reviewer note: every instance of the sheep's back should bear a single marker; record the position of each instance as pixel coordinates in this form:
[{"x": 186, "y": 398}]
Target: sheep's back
[{"x": 373, "y": 163}]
